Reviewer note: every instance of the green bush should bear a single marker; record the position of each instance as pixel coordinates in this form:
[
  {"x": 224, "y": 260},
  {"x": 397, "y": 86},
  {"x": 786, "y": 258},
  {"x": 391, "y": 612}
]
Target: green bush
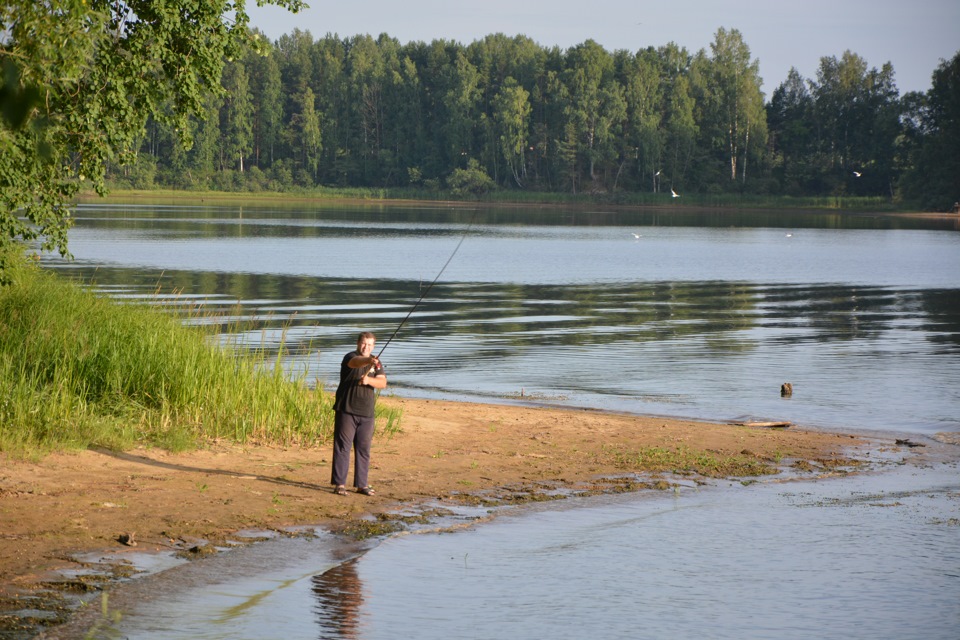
[{"x": 470, "y": 181}]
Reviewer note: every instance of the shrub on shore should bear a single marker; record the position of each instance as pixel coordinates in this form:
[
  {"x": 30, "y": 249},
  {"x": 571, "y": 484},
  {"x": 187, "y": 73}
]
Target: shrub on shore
[{"x": 80, "y": 370}]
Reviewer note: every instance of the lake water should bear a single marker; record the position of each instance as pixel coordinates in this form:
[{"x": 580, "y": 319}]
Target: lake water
[
  {"x": 703, "y": 315},
  {"x": 698, "y": 315},
  {"x": 872, "y": 556}
]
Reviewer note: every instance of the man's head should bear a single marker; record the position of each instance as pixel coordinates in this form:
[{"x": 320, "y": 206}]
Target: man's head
[{"x": 365, "y": 342}]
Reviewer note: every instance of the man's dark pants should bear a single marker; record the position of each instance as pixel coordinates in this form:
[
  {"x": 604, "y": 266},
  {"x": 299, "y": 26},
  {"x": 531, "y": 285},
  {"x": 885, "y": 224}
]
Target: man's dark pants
[{"x": 356, "y": 431}]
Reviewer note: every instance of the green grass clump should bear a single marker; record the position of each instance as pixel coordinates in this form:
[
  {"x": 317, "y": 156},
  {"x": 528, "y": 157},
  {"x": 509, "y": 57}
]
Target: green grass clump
[{"x": 79, "y": 370}]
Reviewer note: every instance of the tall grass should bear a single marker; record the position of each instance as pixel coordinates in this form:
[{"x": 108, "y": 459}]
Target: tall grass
[{"x": 80, "y": 370}]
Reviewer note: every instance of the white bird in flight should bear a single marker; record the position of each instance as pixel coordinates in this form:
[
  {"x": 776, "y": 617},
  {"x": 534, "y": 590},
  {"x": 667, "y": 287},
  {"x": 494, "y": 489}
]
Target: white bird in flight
[
  {"x": 856, "y": 173},
  {"x": 673, "y": 193},
  {"x": 637, "y": 236}
]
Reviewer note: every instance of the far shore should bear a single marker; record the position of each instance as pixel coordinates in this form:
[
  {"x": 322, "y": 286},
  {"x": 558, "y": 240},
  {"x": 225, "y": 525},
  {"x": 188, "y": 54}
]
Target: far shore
[{"x": 372, "y": 197}]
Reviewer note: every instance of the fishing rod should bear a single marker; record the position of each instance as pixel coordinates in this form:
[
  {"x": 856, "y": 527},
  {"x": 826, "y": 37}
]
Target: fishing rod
[{"x": 430, "y": 286}]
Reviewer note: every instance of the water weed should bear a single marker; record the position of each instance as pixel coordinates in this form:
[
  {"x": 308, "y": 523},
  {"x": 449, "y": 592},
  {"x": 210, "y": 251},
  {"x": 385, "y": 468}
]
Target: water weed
[{"x": 683, "y": 460}]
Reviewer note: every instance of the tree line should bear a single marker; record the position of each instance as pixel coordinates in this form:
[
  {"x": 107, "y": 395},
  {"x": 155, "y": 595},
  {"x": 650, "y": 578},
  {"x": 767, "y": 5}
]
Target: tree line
[
  {"x": 504, "y": 112},
  {"x": 182, "y": 94}
]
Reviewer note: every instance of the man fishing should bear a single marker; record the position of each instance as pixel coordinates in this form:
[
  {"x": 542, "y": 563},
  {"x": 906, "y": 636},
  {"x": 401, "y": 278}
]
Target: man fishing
[{"x": 361, "y": 376}]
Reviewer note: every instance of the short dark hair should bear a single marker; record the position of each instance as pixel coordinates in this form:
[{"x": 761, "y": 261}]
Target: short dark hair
[{"x": 364, "y": 335}]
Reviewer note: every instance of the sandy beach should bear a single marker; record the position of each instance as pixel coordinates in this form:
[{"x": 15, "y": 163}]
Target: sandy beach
[{"x": 68, "y": 503}]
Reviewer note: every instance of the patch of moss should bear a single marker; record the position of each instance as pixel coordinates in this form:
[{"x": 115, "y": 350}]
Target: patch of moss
[
  {"x": 21, "y": 617},
  {"x": 366, "y": 529}
]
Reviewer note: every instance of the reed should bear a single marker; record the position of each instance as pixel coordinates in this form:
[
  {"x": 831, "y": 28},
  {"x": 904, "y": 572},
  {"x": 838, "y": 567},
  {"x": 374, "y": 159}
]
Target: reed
[{"x": 79, "y": 370}]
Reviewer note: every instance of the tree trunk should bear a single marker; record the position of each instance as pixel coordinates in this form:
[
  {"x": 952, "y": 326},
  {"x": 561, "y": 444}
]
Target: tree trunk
[
  {"x": 746, "y": 147},
  {"x": 731, "y": 133}
]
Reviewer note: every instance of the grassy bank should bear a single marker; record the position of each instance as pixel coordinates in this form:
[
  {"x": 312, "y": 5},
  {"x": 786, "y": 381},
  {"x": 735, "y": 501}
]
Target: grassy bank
[
  {"x": 79, "y": 370},
  {"x": 527, "y": 198}
]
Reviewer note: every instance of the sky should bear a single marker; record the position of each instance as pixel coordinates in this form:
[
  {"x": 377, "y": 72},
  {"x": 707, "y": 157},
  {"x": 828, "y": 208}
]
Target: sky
[{"x": 912, "y": 35}]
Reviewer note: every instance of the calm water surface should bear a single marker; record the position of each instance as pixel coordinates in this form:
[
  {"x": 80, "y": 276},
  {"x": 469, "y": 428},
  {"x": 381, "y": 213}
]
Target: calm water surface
[{"x": 702, "y": 315}]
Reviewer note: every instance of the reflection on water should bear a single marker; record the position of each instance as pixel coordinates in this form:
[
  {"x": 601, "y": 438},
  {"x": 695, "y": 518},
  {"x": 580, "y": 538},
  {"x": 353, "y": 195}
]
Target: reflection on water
[{"x": 339, "y": 596}]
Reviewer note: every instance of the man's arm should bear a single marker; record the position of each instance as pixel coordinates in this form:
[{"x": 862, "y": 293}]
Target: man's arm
[
  {"x": 375, "y": 381},
  {"x": 358, "y": 362}
]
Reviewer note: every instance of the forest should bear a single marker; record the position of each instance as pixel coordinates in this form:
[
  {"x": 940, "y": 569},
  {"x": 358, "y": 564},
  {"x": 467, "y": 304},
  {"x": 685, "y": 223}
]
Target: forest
[{"x": 504, "y": 113}]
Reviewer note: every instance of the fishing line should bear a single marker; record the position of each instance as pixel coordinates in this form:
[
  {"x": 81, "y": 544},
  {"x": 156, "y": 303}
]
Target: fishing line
[{"x": 427, "y": 290}]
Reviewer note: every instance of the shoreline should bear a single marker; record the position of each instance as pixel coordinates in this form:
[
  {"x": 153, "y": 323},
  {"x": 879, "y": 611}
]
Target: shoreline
[
  {"x": 70, "y": 504},
  {"x": 358, "y": 200}
]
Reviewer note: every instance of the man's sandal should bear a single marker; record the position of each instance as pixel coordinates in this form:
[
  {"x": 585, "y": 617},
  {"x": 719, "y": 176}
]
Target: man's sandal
[
  {"x": 340, "y": 490},
  {"x": 367, "y": 491}
]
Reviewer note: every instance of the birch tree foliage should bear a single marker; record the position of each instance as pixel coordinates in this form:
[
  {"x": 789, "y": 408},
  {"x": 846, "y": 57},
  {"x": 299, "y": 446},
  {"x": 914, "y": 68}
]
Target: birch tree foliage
[
  {"x": 369, "y": 79},
  {"x": 588, "y": 75},
  {"x": 306, "y": 132},
  {"x": 643, "y": 95},
  {"x": 733, "y": 86},
  {"x": 682, "y": 132},
  {"x": 237, "y": 115},
  {"x": 79, "y": 80},
  {"x": 462, "y": 100},
  {"x": 512, "y": 115}
]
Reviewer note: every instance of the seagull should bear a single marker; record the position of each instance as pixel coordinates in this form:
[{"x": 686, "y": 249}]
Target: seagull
[
  {"x": 789, "y": 235},
  {"x": 656, "y": 174},
  {"x": 637, "y": 236},
  {"x": 674, "y": 193},
  {"x": 856, "y": 173}
]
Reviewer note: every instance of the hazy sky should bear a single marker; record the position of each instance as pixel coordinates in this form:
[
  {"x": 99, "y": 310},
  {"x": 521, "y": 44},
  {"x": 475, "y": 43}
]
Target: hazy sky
[{"x": 913, "y": 35}]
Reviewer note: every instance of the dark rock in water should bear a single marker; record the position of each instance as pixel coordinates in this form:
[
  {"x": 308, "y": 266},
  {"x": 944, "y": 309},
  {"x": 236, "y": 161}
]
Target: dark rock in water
[{"x": 909, "y": 443}]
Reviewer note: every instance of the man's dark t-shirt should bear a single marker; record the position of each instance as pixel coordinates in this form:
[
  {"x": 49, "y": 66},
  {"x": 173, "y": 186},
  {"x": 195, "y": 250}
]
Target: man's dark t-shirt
[{"x": 352, "y": 397}]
